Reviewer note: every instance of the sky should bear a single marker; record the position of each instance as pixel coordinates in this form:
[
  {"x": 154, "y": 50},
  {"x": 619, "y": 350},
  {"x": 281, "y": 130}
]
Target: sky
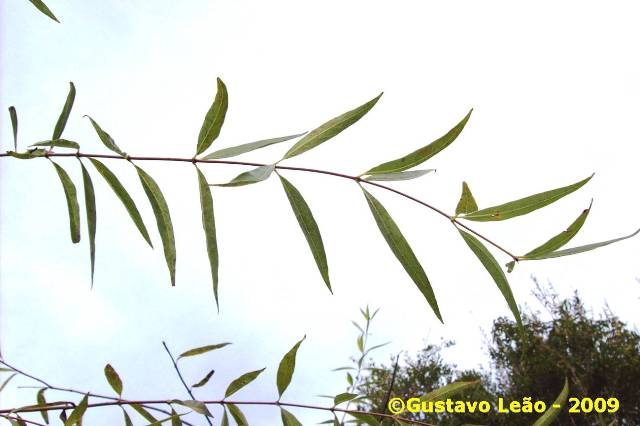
[{"x": 555, "y": 90}]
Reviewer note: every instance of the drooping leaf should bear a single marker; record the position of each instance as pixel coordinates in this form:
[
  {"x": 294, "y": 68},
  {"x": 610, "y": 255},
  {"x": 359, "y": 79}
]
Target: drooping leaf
[
  {"x": 124, "y": 197},
  {"x": 402, "y": 250},
  {"x": 581, "y": 249},
  {"x": 144, "y": 413},
  {"x": 556, "y": 408},
  {"x": 106, "y": 139},
  {"x": 44, "y": 9},
  {"x": 64, "y": 114},
  {"x": 288, "y": 419},
  {"x": 214, "y": 119},
  {"x": 205, "y": 379},
  {"x": 452, "y": 389},
  {"x": 248, "y": 147},
  {"x": 467, "y": 203},
  {"x": 163, "y": 220},
  {"x": 237, "y": 415},
  {"x": 202, "y": 350},
  {"x": 90, "y": 207},
  {"x": 14, "y": 125},
  {"x": 252, "y": 176},
  {"x": 113, "y": 378},
  {"x": 494, "y": 269},
  {"x": 175, "y": 418},
  {"x": 423, "y": 154},
  {"x": 344, "y": 397},
  {"x": 127, "y": 419},
  {"x": 367, "y": 419},
  {"x": 309, "y": 228},
  {"x": 287, "y": 367},
  {"x": 42, "y": 401},
  {"x": 524, "y": 205},
  {"x": 75, "y": 418},
  {"x": 209, "y": 227},
  {"x": 396, "y": 176},
  {"x": 225, "y": 417},
  {"x": 72, "y": 202},
  {"x": 34, "y": 153},
  {"x": 7, "y": 380},
  {"x": 61, "y": 143},
  {"x": 330, "y": 129},
  {"x": 197, "y": 406},
  {"x": 241, "y": 382}
]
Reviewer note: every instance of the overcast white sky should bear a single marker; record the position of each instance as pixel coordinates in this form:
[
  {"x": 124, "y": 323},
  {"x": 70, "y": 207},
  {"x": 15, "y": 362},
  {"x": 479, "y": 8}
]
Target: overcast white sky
[{"x": 555, "y": 87}]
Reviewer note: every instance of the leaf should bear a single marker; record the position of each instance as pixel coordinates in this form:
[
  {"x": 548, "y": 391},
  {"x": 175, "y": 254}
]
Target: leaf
[
  {"x": 90, "y": 206},
  {"x": 6, "y": 382},
  {"x": 64, "y": 114},
  {"x": 423, "y": 154},
  {"x": 214, "y": 119},
  {"x": 395, "y": 176},
  {"x": 524, "y": 205},
  {"x": 366, "y": 418},
  {"x": 106, "y": 139},
  {"x": 360, "y": 343},
  {"x": 197, "y": 406},
  {"x": 401, "y": 249},
  {"x": 467, "y": 203},
  {"x": 554, "y": 411},
  {"x": 14, "y": 125},
  {"x": 248, "y": 147},
  {"x": 163, "y": 220},
  {"x": 72, "y": 202},
  {"x": 75, "y": 418},
  {"x": 237, "y": 415},
  {"x": 144, "y": 413},
  {"x": 205, "y": 379},
  {"x": 581, "y": 249},
  {"x": 113, "y": 378},
  {"x": 288, "y": 419},
  {"x": 309, "y": 228},
  {"x": 127, "y": 419},
  {"x": 330, "y": 129},
  {"x": 42, "y": 401},
  {"x": 452, "y": 389},
  {"x": 252, "y": 176},
  {"x": 61, "y": 143},
  {"x": 44, "y": 9},
  {"x": 175, "y": 418},
  {"x": 344, "y": 397},
  {"x": 375, "y": 347},
  {"x": 35, "y": 153},
  {"x": 209, "y": 226},
  {"x": 225, "y": 418},
  {"x": 202, "y": 350},
  {"x": 287, "y": 367},
  {"x": 124, "y": 197},
  {"x": 494, "y": 269},
  {"x": 241, "y": 382}
]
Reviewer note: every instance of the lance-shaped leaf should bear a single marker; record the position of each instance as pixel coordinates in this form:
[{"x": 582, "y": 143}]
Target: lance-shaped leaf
[
  {"x": 35, "y": 153},
  {"x": 163, "y": 220},
  {"x": 467, "y": 203},
  {"x": 309, "y": 228},
  {"x": 203, "y": 350},
  {"x": 64, "y": 114},
  {"x": 423, "y": 154},
  {"x": 124, "y": 197},
  {"x": 42, "y": 401},
  {"x": 113, "y": 378},
  {"x": 395, "y": 176},
  {"x": 205, "y": 379},
  {"x": 452, "y": 389},
  {"x": 72, "y": 202},
  {"x": 524, "y": 205},
  {"x": 402, "y": 250},
  {"x": 44, "y": 9},
  {"x": 196, "y": 406},
  {"x": 106, "y": 139},
  {"x": 248, "y": 147},
  {"x": 581, "y": 249},
  {"x": 214, "y": 119},
  {"x": 252, "y": 176},
  {"x": 225, "y": 417},
  {"x": 75, "y": 418},
  {"x": 209, "y": 226},
  {"x": 175, "y": 418},
  {"x": 144, "y": 413},
  {"x": 492, "y": 266},
  {"x": 287, "y": 367},
  {"x": 7, "y": 380},
  {"x": 344, "y": 397},
  {"x": 367, "y": 419},
  {"x": 127, "y": 419},
  {"x": 288, "y": 419},
  {"x": 14, "y": 125},
  {"x": 62, "y": 143},
  {"x": 241, "y": 382},
  {"x": 330, "y": 129},
  {"x": 556, "y": 408},
  {"x": 90, "y": 207},
  {"x": 237, "y": 415}
]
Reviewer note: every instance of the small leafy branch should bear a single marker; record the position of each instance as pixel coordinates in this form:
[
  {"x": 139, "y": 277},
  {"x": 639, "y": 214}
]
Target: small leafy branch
[{"x": 395, "y": 170}]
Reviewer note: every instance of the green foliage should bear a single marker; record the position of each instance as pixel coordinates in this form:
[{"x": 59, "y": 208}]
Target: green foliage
[
  {"x": 248, "y": 147},
  {"x": 71, "y": 196},
  {"x": 64, "y": 114},
  {"x": 214, "y": 119},
  {"x": 39, "y": 4}
]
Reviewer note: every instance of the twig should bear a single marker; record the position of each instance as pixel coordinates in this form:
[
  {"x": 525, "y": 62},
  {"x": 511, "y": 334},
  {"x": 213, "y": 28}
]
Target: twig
[{"x": 393, "y": 380}]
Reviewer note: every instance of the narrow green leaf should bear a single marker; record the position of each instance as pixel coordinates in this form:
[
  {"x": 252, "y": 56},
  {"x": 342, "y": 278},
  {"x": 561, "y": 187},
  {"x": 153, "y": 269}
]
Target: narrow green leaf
[
  {"x": 127, "y": 419},
  {"x": 163, "y": 220},
  {"x": 349, "y": 379},
  {"x": 368, "y": 419},
  {"x": 72, "y": 202},
  {"x": 144, "y": 413},
  {"x": 90, "y": 206},
  {"x": 205, "y": 379},
  {"x": 44, "y": 9},
  {"x": 344, "y": 397},
  {"x": 467, "y": 203},
  {"x": 288, "y": 419},
  {"x": 402, "y": 250},
  {"x": 14, "y": 125},
  {"x": 113, "y": 378},
  {"x": 34, "y": 153},
  {"x": 492, "y": 266},
  {"x": 175, "y": 418},
  {"x": 423, "y": 154},
  {"x": 214, "y": 119},
  {"x": 202, "y": 350},
  {"x": 64, "y": 114},
  {"x": 241, "y": 382},
  {"x": 197, "y": 406},
  {"x": 42, "y": 401},
  {"x": 106, "y": 139},
  {"x": 286, "y": 368},
  {"x": 61, "y": 143},
  {"x": 248, "y": 147},
  {"x": 6, "y": 382},
  {"x": 452, "y": 389},
  {"x": 124, "y": 197},
  {"x": 225, "y": 417},
  {"x": 75, "y": 418},
  {"x": 396, "y": 176},
  {"x": 237, "y": 415},
  {"x": 330, "y": 129},
  {"x": 375, "y": 347},
  {"x": 524, "y": 205},
  {"x": 581, "y": 249},
  {"x": 209, "y": 226},
  {"x": 252, "y": 176},
  {"x": 309, "y": 228},
  {"x": 556, "y": 408},
  {"x": 360, "y": 343}
]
